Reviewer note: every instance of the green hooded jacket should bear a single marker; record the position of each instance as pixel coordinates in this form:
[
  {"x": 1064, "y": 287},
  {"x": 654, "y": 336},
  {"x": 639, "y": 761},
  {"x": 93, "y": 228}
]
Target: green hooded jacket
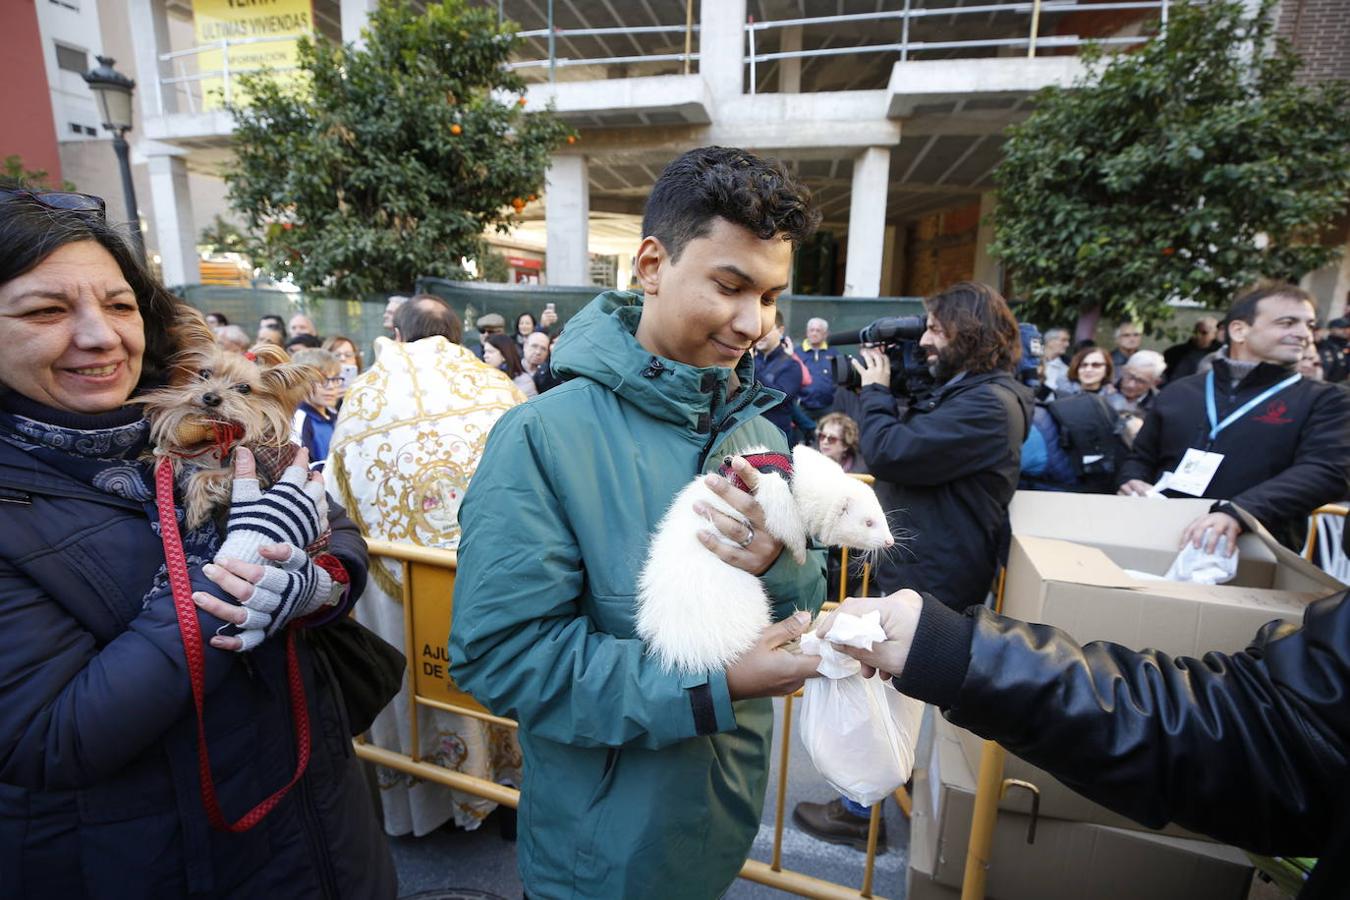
[{"x": 638, "y": 782}]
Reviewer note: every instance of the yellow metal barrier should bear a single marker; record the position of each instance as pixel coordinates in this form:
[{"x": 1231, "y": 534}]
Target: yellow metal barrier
[
  {"x": 989, "y": 788},
  {"x": 428, "y": 597},
  {"x": 428, "y": 594}
]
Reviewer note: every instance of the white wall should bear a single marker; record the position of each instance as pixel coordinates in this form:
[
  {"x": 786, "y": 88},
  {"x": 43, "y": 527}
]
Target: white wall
[{"x": 74, "y": 24}]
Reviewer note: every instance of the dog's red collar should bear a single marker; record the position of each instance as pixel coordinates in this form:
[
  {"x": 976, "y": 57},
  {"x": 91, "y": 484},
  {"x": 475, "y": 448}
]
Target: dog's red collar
[{"x": 225, "y": 436}]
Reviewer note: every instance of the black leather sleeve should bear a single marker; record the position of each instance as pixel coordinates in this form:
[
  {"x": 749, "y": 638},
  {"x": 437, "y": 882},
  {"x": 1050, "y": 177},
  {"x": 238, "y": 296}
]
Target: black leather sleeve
[{"x": 1250, "y": 748}]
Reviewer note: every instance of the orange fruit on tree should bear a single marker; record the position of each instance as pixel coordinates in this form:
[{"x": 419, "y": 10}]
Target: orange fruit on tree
[
  {"x": 518, "y": 203},
  {"x": 532, "y": 197},
  {"x": 521, "y": 101},
  {"x": 571, "y": 139},
  {"x": 456, "y": 129}
]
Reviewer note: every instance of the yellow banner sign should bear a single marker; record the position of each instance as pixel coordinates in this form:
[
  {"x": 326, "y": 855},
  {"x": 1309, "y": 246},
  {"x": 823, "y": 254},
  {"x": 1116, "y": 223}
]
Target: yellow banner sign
[{"x": 245, "y": 36}]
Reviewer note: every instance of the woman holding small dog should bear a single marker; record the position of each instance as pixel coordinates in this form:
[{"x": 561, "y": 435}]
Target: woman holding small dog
[{"x": 100, "y": 789}]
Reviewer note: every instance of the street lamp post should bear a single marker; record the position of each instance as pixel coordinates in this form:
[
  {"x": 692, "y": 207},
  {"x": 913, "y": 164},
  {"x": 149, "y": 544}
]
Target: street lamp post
[{"x": 112, "y": 90}]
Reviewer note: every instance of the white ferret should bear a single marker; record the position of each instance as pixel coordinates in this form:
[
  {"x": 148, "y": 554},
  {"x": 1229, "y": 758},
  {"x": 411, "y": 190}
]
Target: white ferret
[{"x": 696, "y": 612}]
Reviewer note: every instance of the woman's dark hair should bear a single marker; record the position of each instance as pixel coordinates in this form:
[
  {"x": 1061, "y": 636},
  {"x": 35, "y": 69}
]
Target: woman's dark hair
[
  {"x": 506, "y": 346},
  {"x": 30, "y": 232},
  {"x": 725, "y": 183},
  {"x": 305, "y": 341},
  {"x": 219, "y": 317},
  {"x": 534, "y": 323},
  {"x": 981, "y": 329},
  {"x": 1083, "y": 354}
]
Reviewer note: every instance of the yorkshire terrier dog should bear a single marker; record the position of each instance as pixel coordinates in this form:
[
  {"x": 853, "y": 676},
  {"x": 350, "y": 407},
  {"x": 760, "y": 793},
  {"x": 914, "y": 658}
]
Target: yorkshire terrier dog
[{"x": 216, "y": 400}]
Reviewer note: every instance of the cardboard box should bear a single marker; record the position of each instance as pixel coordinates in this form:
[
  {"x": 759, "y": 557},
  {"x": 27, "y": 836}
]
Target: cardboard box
[
  {"x": 1067, "y": 565},
  {"x": 1057, "y": 800},
  {"x": 919, "y": 886},
  {"x": 1069, "y": 860}
]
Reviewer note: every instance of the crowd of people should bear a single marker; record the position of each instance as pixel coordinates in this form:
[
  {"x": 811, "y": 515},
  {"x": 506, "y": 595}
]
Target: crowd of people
[{"x": 546, "y": 457}]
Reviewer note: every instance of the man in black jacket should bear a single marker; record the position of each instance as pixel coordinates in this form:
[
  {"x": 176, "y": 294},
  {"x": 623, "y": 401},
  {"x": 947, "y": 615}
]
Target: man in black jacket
[
  {"x": 1275, "y": 444},
  {"x": 1184, "y": 359},
  {"x": 946, "y": 464},
  {"x": 1250, "y": 748}
]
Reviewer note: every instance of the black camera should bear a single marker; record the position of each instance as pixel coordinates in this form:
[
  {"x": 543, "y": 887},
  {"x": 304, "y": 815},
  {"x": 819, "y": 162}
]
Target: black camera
[{"x": 899, "y": 337}]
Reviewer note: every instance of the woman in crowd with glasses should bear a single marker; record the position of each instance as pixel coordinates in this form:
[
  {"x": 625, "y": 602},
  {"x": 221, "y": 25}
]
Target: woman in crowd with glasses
[
  {"x": 349, "y": 360},
  {"x": 346, "y": 352},
  {"x": 838, "y": 437},
  {"x": 101, "y": 791},
  {"x": 1090, "y": 372}
]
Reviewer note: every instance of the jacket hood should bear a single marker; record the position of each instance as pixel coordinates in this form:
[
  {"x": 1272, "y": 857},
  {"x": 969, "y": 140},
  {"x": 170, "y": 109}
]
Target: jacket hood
[{"x": 600, "y": 343}]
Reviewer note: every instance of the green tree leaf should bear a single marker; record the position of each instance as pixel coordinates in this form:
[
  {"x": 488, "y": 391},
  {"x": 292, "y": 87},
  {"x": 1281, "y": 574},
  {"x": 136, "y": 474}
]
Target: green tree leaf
[
  {"x": 375, "y": 165},
  {"x": 1187, "y": 169}
]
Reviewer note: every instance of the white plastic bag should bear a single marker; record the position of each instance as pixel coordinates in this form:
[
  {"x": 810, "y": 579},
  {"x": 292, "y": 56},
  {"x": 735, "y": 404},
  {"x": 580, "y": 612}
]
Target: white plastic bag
[{"x": 861, "y": 733}]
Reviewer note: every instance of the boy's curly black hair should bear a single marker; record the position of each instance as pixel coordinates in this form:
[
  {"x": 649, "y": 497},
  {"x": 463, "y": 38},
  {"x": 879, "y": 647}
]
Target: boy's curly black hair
[{"x": 727, "y": 183}]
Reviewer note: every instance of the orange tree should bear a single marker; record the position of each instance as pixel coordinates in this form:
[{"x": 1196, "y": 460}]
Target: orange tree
[
  {"x": 374, "y": 165},
  {"x": 1185, "y": 170}
]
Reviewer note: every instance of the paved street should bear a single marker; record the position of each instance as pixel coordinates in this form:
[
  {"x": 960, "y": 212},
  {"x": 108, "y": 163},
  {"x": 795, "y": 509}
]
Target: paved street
[{"x": 453, "y": 863}]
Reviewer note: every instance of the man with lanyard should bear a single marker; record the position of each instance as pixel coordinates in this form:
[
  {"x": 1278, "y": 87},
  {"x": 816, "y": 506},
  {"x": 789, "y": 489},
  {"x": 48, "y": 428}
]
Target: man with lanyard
[{"x": 1251, "y": 432}]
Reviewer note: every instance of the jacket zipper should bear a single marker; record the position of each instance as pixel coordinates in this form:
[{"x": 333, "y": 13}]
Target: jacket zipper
[{"x": 746, "y": 397}]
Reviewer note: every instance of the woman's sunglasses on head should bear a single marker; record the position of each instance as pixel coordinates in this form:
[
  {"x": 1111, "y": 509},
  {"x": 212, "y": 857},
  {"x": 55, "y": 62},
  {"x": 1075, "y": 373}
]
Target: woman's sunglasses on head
[{"x": 69, "y": 201}]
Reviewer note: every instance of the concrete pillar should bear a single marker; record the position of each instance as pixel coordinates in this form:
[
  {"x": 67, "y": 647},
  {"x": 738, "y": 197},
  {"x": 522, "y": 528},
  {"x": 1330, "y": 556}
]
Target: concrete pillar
[
  {"x": 354, "y": 15},
  {"x": 1330, "y": 285},
  {"x": 790, "y": 70},
  {"x": 149, "y": 26},
  {"x": 867, "y": 222},
  {"x": 567, "y": 219},
  {"x": 722, "y": 46},
  {"x": 888, "y": 262},
  {"x": 174, "y": 228},
  {"x": 988, "y": 270}
]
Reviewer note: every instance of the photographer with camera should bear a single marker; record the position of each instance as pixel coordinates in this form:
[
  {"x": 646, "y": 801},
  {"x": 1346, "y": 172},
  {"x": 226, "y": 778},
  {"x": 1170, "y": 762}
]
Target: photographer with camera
[
  {"x": 949, "y": 457},
  {"x": 943, "y": 421}
]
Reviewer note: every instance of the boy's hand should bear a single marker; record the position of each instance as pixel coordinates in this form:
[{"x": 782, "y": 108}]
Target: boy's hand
[
  {"x": 766, "y": 669},
  {"x": 756, "y": 548}
]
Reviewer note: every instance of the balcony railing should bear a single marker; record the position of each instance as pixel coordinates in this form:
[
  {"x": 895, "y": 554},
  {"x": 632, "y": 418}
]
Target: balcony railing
[
  {"x": 902, "y": 23},
  {"x": 205, "y": 75}
]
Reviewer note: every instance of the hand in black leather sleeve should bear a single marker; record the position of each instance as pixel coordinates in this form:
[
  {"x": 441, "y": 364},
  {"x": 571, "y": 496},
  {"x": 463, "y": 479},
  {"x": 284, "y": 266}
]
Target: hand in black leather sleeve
[{"x": 1252, "y": 748}]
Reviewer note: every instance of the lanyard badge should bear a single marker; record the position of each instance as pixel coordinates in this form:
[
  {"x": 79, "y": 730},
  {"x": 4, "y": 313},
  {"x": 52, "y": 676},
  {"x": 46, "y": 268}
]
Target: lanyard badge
[{"x": 1198, "y": 467}]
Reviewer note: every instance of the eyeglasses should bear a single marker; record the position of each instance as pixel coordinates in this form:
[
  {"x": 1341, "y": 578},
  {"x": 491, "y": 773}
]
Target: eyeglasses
[
  {"x": 61, "y": 200},
  {"x": 1092, "y": 365},
  {"x": 829, "y": 439},
  {"x": 335, "y": 381}
]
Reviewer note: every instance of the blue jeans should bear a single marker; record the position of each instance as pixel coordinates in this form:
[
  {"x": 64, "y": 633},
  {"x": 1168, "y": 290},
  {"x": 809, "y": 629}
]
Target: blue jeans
[{"x": 862, "y": 812}]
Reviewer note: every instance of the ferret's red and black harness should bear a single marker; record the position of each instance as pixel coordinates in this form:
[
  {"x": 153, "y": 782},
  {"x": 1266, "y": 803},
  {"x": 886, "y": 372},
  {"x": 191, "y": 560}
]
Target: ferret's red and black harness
[{"x": 767, "y": 461}]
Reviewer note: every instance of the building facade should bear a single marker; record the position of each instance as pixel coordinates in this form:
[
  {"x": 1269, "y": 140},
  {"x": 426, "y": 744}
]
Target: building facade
[{"x": 892, "y": 111}]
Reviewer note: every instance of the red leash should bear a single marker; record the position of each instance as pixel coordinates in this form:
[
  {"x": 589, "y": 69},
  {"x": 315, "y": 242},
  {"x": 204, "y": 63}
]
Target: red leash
[{"x": 189, "y": 628}]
